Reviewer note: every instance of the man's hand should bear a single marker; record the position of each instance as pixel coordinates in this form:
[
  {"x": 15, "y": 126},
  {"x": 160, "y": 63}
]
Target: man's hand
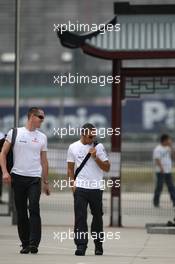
[
  {"x": 46, "y": 189},
  {"x": 93, "y": 152},
  {"x": 70, "y": 175},
  {"x": 161, "y": 171},
  {"x": 104, "y": 165},
  {"x": 73, "y": 188},
  {"x": 72, "y": 185},
  {"x": 159, "y": 164},
  {"x": 7, "y": 178}
]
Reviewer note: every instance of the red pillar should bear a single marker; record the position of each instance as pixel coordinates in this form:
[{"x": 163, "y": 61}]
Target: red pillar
[{"x": 117, "y": 93}]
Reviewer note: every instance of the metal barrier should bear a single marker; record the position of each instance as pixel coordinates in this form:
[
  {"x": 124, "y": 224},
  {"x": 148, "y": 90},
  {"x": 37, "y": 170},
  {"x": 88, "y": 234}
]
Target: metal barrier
[
  {"x": 5, "y": 205},
  {"x": 137, "y": 182}
]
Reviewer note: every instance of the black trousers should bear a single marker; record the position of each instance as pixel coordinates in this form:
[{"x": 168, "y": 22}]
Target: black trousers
[
  {"x": 27, "y": 191},
  {"x": 83, "y": 197},
  {"x": 161, "y": 178}
]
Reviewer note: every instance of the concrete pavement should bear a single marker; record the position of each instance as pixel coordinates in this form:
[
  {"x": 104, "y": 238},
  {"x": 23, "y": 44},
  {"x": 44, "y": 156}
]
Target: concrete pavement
[{"x": 135, "y": 246}]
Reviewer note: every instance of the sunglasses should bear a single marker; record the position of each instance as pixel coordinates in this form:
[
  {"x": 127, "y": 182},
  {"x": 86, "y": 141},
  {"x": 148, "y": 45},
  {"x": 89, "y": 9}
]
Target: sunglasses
[{"x": 40, "y": 117}]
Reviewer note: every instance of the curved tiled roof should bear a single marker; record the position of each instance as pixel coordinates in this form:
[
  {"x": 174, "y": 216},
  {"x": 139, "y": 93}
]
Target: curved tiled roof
[{"x": 139, "y": 33}]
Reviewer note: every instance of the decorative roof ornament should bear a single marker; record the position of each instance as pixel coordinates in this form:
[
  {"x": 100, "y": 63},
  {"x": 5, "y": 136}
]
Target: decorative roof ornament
[{"x": 75, "y": 40}]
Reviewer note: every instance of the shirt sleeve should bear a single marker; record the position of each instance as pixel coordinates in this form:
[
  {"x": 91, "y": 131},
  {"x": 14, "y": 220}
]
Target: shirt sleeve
[
  {"x": 70, "y": 155},
  {"x": 101, "y": 152},
  {"x": 9, "y": 136},
  {"x": 156, "y": 154},
  {"x": 44, "y": 146},
  {"x": 1, "y": 135}
]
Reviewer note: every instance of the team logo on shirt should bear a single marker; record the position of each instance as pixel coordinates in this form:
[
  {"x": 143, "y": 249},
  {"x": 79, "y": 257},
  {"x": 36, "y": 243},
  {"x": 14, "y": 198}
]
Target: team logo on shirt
[
  {"x": 35, "y": 140},
  {"x": 22, "y": 141},
  {"x": 81, "y": 155}
]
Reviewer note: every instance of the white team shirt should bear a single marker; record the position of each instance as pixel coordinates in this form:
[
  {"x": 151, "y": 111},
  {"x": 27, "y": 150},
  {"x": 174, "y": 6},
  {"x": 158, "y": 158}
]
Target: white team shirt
[
  {"x": 26, "y": 152},
  {"x": 1, "y": 135},
  {"x": 164, "y": 155},
  {"x": 91, "y": 176}
]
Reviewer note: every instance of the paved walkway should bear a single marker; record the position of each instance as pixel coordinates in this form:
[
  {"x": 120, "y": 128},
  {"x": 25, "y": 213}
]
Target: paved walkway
[{"x": 135, "y": 246}]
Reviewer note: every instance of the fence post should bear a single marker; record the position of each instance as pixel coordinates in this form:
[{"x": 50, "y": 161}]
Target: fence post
[{"x": 116, "y": 219}]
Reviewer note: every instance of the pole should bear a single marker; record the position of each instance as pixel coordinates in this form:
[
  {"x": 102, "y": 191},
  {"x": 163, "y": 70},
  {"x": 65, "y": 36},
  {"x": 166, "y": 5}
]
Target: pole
[
  {"x": 17, "y": 61},
  {"x": 17, "y": 84},
  {"x": 115, "y": 219}
]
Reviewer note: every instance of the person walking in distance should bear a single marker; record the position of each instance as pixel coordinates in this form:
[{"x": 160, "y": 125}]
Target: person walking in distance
[
  {"x": 30, "y": 165},
  {"x": 87, "y": 188},
  {"x": 162, "y": 157}
]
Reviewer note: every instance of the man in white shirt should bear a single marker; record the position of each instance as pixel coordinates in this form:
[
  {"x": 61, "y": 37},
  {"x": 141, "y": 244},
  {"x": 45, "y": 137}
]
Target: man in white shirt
[
  {"x": 29, "y": 164},
  {"x": 1, "y": 135},
  {"x": 162, "y": 157},
  {"x": 87, "y": 188}
]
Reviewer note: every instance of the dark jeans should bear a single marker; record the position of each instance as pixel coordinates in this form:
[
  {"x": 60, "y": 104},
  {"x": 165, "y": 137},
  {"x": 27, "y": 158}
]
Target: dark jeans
[
  {"x": 83, "y": 197},
  {"x": 161, "y": 178},
  {"x": 27, "y": 191}
]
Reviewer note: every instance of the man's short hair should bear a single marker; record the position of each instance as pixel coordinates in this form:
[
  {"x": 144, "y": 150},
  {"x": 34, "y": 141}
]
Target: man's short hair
[
  {"x": 86, "y": 128},
  {"x": 33, "y": 110},
  {"x": 164, "y": 137}
]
